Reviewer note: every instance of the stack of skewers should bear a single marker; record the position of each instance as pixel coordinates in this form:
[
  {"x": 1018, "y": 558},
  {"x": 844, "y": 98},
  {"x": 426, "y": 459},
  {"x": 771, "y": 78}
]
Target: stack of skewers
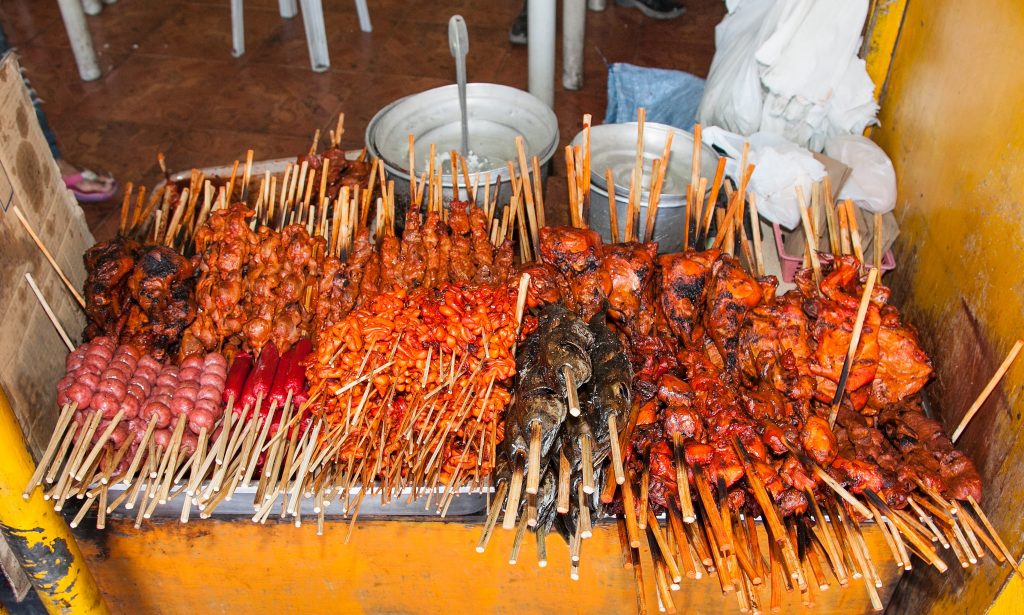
[{"x": 676, "y": 390}]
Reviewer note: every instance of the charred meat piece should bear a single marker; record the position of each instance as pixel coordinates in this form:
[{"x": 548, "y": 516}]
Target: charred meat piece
[
  {"x": 608, "y": 393},
  {"x": 681, "y": 288},
  {"x": 731, "y": 293}
]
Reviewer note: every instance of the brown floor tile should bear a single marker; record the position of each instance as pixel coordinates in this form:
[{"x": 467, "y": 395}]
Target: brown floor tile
[
  {"x": 23, "y": 21},
  {"x": 204, "y": 31},
  {"x": 272, "y": 99},
  {"x": 170, "y": 83},
  {"x": 118, "y": 31}
]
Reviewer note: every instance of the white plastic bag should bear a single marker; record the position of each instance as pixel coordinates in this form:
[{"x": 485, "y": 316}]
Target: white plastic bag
[
  {"x": 732, "y": 92},
  {"x": 872, "y": 181},
  {"x": 779, "y": 167}
]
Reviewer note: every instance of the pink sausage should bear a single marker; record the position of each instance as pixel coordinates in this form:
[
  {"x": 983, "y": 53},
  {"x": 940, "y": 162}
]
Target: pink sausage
[
  {"x": 63, "y": 398},
  {"x": 193, "y": 361},
  {"x": 189, "y": 444},
  {"x": 130, "y": 406},
  {"x": 180, "y": 405},
  {"x": 188, "y": 374},
  {"x": 209, "y": 392},
  {"x": 212, "y": 380},
  {"x": 161, "y": 399},
  {"x": 200, "y": 419},
  {"x": 162, "y": 412},
  {"x": 81, "y": 394},
  {"x": 216, "y": 434},
  {"x": 212, "y": 406},
  {"x": 106, "y": 403},
  {"x": 65, "y": 382},
  {"x": 114, "y": 387},
  {"x": 75, "y": 356},
  {"x": 90, "y": 380},
  {"x": 126, "y": 364},
  {"x": 166, "y": 379},
  {"x": 104, "y": 341},
  {"x": 128, "y": 350},
  {"x": 162, "y": 438},
  {"x": 216, "y": 370},
  {"x": 188, "y": 390},
  {"x": 144, "y": 373},
  {"x": 119, "y": 435},
  {"x": 216, "y": 359},
  {"x": 149, "y": 362},
  {"x": 95, "y": 364}
]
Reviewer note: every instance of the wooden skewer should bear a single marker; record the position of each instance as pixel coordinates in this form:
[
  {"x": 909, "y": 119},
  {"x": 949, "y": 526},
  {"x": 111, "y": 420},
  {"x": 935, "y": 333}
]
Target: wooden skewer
[
  {"x": 636, "y": 183},
  {"x": 683, "y": 544},
  {"x": 662, "y": 542},
  {"x": 682, "y": 480},
  {"x": 858, "y": 326},
  {"x": 63, "y": 420},
  {"x": 49, "y": 257},
  {"x": 542, "y": 549},
  {"x": 755, "y": 227},
  {"x": 851, "y": 216},
  {"x": 645, "y": 492},
  {"x": 877, "y": 241},
  {"x": 658, "y": 176},
  {"x": 617, "y": 468},
  {"x": 517, "y": 542},
  {"x": 98, "y": 448},
  {"x": 564, "y": 483},
  {"x": 716, "y": 186},
  {"x": 995, "y": 536},
  {"x": 571, "y": 395},
  {"x": 629, "y": 510},
  {"x": 512, "y": 506},
  {"x": 492, "y": 518},
  {"x": 979, "y": 533},
  {"x": 49, "y": 312},
  {"x": 589, "y": 484},
  {"x": 533, "y": 465},
  {"x": 809, "y": 233},
  {"x": 613, "y": 205},
  {"x": 664, "y": 594},
  {"x": 983, "y": 396}
]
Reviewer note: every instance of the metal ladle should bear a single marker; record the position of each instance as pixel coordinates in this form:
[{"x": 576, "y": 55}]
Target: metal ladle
[{"x": 458, "y": 42}]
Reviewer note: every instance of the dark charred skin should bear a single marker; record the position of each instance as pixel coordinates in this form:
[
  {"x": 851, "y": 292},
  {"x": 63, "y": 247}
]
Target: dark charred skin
[
  {"x": 608, "y": 393},
  {"x": 547, "y": 495},
  {"x": 544, "y": 408}
]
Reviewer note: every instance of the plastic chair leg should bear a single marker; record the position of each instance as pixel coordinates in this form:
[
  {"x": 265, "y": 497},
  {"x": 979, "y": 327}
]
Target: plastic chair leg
[
  {"x": 574, "y": 25},
  {"x": 92, "y": 7},
  {"x": 81, "y": 43},
  {"x": 288, "y": 8},
  {"x": 237, "y": 29},
  {"x": 364, "y": 16},
  {"x": 316, "y": 34}
]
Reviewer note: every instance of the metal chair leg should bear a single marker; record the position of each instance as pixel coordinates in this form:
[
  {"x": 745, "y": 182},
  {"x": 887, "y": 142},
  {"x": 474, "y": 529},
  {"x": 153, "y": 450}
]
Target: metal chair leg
[{"x": 574, "y": 25}]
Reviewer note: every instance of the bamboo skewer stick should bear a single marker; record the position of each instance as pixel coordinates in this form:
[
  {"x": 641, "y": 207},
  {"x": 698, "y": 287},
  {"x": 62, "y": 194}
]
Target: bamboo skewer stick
[
  {"x": 983, "y": 396},
  {"x": 512, "y": 506},
  {"x": 63, "y": 420},
  {"x": 48, "y": 256},
  {"x": 613, "y": 205},
  {"x": 858, "y": 327},
  {"x": 877, "y": 241},
  {"x": 994, "y": 535},
  {"x": 49, "y": 312}
]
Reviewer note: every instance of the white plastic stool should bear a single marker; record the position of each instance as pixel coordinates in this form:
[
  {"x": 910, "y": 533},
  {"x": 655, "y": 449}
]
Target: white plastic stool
[{"x": 312, "y": 21}]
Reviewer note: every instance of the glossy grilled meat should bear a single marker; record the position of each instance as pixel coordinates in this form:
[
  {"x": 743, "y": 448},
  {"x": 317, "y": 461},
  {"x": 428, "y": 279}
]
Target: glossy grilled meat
[
  {"x": 903, "y": 367},
  {"x": 627, "y": 270},
  {"x": 731, "y": 293},
  {"x": 609, "y": 392},
  {"x": 682, "y": 281}
]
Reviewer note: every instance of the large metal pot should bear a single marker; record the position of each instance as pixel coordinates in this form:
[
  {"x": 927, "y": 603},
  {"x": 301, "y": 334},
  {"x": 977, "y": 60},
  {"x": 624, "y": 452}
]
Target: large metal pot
[
  {"x": 497, "y": 115},
  {"x": 614, "y": 146}
]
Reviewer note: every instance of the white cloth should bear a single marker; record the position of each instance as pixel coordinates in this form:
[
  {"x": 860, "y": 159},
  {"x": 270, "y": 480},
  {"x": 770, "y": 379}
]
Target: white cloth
[
  {"x": 790, "y": 67},
  {"x": 779, "y": 167}
]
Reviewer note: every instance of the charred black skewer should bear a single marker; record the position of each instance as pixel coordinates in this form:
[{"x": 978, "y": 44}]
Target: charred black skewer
[{"x": 608, "y": 394}]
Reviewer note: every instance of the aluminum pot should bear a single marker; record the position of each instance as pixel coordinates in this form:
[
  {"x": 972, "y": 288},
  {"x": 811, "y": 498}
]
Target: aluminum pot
[
  {"x": 614, "y": 146},
  {"x": 497, "y": 115}
]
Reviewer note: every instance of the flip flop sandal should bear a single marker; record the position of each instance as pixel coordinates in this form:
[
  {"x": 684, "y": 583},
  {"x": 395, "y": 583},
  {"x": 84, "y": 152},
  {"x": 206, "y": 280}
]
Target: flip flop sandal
[
  {"x": 77, "y": 185},
  {"x": 655, "y": 9}
]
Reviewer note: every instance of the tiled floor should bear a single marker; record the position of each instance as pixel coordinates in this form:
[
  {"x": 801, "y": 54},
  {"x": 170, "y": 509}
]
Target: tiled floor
[{"x": 170, "y": 84}]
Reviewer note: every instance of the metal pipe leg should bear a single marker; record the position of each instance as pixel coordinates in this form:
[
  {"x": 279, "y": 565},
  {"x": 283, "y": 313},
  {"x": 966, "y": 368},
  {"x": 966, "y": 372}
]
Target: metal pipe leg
[
  {"x": 574, "y": 25},
  {"x": 364, "y": 16},
  {"x": 540, "y": 23},
  {"x": 237, "y": 29},
  {"x": 316, "y": 35},
  {"x": 37, "y": 535},
  {"x": 288, "y": 8},
  {"x": 81, "y": 43},
  {"x": 597, "y": 5}
]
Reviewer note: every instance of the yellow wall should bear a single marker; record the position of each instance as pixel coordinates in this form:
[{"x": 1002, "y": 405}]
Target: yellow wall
[{"x": 952, "y": 123}]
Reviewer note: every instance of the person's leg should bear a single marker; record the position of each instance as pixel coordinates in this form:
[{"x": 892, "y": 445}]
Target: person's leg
[
  {"x": 517, "y": 32},
  {"x": 656, "y": 9}
]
